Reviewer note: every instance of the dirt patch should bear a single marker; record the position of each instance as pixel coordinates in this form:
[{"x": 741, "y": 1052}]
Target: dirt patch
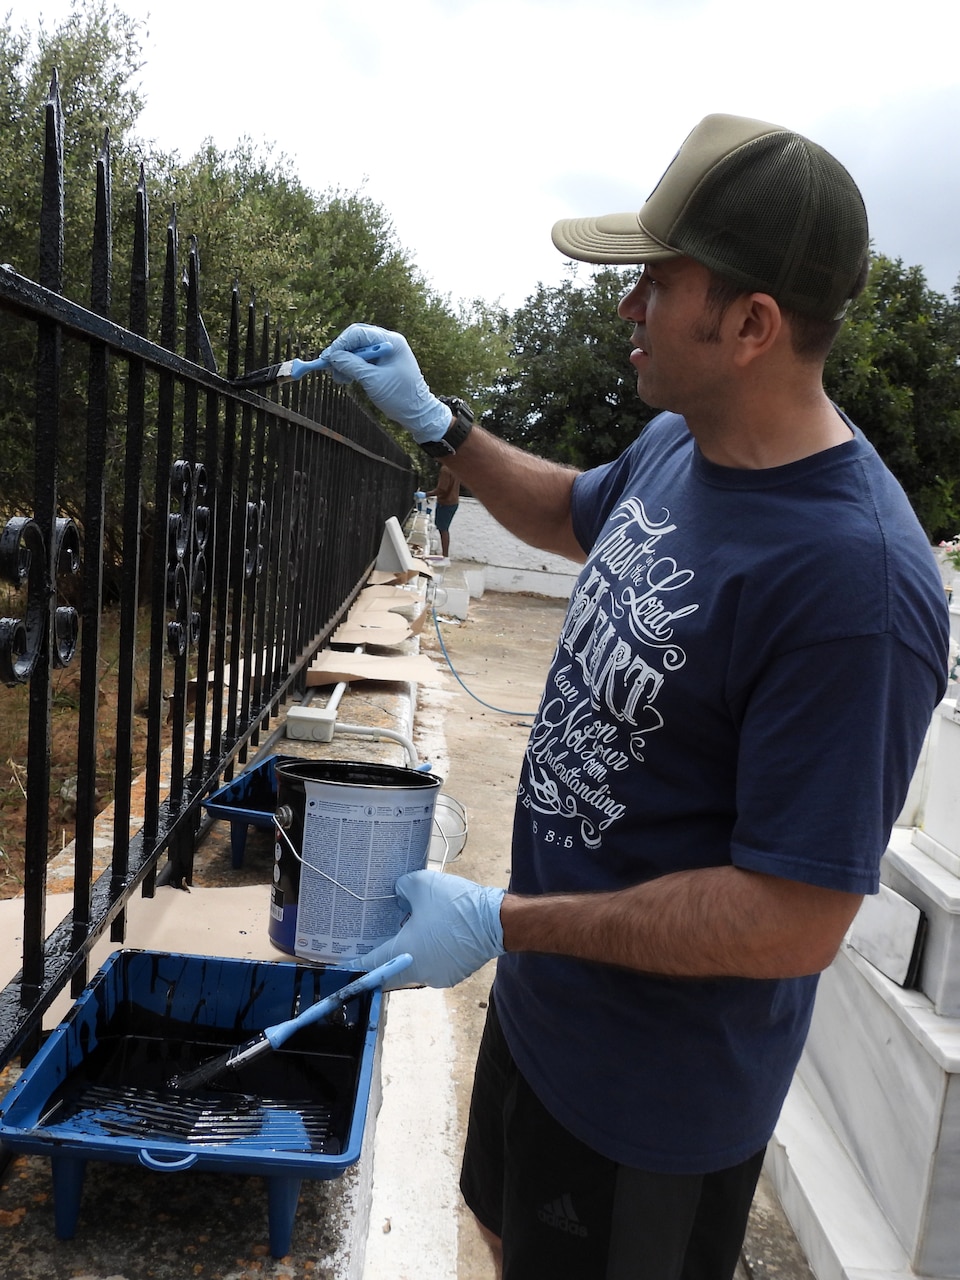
[{"x": 14, "y": 737}]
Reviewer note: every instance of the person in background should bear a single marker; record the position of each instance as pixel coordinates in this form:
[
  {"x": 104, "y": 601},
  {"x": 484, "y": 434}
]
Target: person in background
[
  {"x": 447, "y": 494},
  {"x": 749, "y": 661}
]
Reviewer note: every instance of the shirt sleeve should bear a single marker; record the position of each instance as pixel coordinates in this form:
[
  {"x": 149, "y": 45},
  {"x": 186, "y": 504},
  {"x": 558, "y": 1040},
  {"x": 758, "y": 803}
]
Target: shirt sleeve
[
  {"x": 828, "y": 745},
  {"x": 597, "y": 491}
]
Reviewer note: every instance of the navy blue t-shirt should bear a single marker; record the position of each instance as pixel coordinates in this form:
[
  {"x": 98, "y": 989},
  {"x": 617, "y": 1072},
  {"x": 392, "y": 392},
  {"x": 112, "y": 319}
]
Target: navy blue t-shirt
[{"x": 745, "y": 674}]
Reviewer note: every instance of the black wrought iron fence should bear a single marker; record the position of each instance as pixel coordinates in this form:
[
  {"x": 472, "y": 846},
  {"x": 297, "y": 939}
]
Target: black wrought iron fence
[{"x": 248, "y": 524}]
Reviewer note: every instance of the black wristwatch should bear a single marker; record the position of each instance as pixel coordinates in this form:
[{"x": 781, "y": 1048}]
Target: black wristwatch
[{"x": 459, "y": 429}]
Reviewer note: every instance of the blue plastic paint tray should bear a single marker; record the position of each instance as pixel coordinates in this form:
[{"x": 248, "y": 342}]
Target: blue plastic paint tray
[
  {"x": 249, "y": 800},
  {"x": 97, "y": 1090}
]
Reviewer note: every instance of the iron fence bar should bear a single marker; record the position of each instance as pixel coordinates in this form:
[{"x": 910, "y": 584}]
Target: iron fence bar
[
  {"x": 263, "y": 660},
  {"x": 275, "y": 583},
  {"x": 250, "y": 519},
  {"x": 161, "y": 520},
  {"x": 298, "y": 538},
  {"x": 187, "y": 488},
  {"x": 205, "y": 602},
  {"x": 206, "y": 545},
  {"x": 49, "y": 353},
  {"x": 94, "y": 522},
  {"x": 240, "y": 491},
  {"x": 312, "y": 594},
  {"x": 130, "y": 568},
  {"x": 221, "y": 459},
  {"x": 177, "y": 483},
  {"x": 203, "y": 548}
]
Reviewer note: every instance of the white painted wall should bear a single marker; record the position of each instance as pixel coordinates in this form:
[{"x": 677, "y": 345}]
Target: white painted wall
[{"x": 510, "y": 564}]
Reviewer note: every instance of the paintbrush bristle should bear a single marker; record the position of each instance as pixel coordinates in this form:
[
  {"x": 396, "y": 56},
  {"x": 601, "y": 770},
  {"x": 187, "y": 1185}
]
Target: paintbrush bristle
[
  {"x": 208, "y": 1071},
  {"x": 200, "y": 1076},
  {"x": 259, "y": 377}
]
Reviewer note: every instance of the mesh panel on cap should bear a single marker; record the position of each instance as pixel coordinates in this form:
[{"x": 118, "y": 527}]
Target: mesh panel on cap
[
  {"x": 828, "y": 267},
  {"x": 777, "y": 215}
]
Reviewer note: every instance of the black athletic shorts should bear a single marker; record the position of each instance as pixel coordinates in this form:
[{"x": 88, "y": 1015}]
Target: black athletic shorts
[{"x": 564, "y": 1212}]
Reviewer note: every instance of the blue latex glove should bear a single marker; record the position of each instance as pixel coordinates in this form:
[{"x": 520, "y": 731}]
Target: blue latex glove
[
  {"x": 453, "y": 928},
  {"x": 394, "y": 383}
]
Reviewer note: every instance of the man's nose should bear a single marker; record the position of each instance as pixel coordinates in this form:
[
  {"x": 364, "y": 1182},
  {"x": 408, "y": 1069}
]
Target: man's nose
[{"x": 633, "y": 305}]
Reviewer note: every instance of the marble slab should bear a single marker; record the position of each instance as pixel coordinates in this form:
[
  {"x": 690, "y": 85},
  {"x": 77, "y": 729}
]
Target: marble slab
[
  {"x": 944, "y": 857},
  {"x": 836, "y": 1220},
  {"x": 888, "y": 931},
  {"x": 941, "y": 808},
  {"x": 911, "y": 815},
  {"x": 882, "y": 1070},
  {"x": 910, "y": 871}
]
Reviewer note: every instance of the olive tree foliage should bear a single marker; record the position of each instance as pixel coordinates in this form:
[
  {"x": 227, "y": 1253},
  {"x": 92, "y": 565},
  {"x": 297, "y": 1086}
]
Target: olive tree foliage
[
  {"x": 315, "y": 263},
  {"x": 95, "y": 53},
  {"x": 894, "y": 369},
  {"x": 567, "y": 390}
]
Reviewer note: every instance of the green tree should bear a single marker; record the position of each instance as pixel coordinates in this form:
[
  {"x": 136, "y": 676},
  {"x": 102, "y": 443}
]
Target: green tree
[
  {"x": 894, "y": 369},
  {"x": 320, "y": 262},
  {"x": 95, "y": 53},
  {"x": 567, "y": 390}
]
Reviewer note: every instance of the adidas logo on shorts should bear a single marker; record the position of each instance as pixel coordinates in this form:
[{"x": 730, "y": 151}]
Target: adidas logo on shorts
[{"x": 561, "y": 1214}]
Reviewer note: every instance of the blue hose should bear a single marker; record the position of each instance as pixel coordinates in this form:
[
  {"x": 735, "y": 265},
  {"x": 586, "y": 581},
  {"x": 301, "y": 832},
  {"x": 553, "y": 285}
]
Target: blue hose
[{"x": 499, "y": 710}]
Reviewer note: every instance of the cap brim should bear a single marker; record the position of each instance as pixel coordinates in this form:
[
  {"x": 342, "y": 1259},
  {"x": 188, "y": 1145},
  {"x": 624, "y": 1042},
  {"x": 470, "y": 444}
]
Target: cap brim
[{"x": 612, "y": 238}]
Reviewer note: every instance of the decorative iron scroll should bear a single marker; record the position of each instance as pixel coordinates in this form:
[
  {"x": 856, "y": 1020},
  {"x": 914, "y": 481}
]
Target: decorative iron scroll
[
  {"x": 188, "y": 530},
  {"x": 23, "y": 563},
  {"x": 66, "y": 621},
  {"x": 255, "y": 551}
]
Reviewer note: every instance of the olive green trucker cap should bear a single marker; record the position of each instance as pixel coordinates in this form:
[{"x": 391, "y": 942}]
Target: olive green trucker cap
[{"x": 757, "y": 203}]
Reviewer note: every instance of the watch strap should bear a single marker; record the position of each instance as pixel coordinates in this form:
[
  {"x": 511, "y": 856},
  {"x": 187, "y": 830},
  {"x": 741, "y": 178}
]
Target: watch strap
[{"x": 457, "y": 432}]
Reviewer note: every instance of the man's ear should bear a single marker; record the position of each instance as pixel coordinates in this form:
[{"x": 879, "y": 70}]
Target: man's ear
[{"x": 761, "y": 324}]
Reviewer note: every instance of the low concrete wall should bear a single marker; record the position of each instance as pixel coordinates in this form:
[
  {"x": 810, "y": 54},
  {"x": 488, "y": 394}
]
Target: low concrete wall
[{"x": 511, "y": 565}]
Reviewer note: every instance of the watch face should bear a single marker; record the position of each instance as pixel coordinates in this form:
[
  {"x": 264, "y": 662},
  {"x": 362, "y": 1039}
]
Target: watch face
[
  {"x": 460, "y": 407},
  {"x": 457, "y": 432}
]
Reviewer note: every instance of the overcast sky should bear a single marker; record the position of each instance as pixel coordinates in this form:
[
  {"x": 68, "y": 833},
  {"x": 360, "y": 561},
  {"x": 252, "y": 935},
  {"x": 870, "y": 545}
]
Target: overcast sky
[{"x": 477, "y": 123}]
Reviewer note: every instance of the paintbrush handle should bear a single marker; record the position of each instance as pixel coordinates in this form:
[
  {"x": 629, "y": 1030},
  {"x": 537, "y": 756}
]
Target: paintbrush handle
[
  {"x": 282, "y": 1032},
  {"x": 298, "y": 368}
]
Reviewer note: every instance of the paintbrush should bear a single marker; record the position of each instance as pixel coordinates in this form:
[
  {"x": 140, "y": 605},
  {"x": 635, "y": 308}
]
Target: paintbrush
[
  {"x": 273, "y": 1037},
  {"x": 294, "y": 370}
]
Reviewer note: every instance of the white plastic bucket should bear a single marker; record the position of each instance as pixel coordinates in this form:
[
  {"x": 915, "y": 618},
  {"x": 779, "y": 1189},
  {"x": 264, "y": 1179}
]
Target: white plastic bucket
[
  {"x": 450, "y": 830},
  {"x": 346, "y": 830}
]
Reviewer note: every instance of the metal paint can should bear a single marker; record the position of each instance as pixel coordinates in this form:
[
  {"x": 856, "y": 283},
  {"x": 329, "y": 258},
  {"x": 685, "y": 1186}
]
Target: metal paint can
[{"x": 345, "y": 831}]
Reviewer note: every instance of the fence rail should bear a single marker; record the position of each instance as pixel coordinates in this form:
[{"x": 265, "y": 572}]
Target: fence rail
[{"x": 247, "y": 524}]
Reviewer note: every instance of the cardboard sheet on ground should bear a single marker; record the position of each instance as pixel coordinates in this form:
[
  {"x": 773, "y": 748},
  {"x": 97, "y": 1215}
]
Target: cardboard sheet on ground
[
  {"x": 373, "y": 626},
  {"x": 265, "y": 665},
  {"x": 330, "y": 667},
  {"x": 387, "y": 599},
  {"x": 384, "y": 606},
  {"x": 383, "y": 577}
]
